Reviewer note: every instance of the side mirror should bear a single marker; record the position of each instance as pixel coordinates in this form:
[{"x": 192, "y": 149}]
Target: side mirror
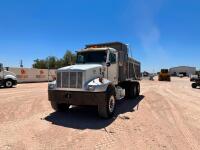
[{"x": 108, "y": 64}]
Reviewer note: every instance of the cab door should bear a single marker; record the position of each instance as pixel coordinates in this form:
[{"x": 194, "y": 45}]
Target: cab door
[{"x": 113, "y": 68}]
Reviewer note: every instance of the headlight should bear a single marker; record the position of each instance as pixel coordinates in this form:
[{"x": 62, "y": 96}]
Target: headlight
[
  {"x": 91, "y": 87},
  {"x": 51, "y": 86}
]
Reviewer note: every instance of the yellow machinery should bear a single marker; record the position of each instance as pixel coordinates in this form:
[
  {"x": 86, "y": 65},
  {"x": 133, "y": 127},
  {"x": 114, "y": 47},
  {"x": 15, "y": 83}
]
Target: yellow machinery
[{"x": 164, "y": 75}]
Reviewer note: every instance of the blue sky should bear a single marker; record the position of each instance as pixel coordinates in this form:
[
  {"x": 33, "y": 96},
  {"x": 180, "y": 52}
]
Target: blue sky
[{"x": 161, "y": 33}]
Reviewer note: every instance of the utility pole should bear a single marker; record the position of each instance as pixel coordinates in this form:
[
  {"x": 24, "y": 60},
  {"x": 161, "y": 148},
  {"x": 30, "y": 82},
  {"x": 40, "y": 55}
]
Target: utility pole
[{"x": 21, "y": 63}]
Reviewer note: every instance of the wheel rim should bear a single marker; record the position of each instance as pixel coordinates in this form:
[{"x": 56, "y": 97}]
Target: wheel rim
[
  {"x": 8, "y": 83},
  {"x": 111, "y": 104}
]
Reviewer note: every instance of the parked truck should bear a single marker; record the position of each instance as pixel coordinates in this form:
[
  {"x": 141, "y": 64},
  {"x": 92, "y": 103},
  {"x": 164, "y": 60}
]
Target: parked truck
[
  {"x": 7, "y": 79},
  {"x": 196, "y": 83},
  {"x": 103, "y": 73}
]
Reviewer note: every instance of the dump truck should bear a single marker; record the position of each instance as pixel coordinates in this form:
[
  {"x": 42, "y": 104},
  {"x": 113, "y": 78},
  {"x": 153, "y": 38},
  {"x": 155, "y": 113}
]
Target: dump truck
[
  {"x": 164, "y": 75},
  {"x": 103, "y": 73},
  {"x": 7, "y": 79}
]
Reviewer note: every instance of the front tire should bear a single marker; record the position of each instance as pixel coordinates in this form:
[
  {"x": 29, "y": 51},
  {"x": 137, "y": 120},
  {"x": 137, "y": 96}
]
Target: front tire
[
  {"x": 8, "y": 84},
  {"x": 194, "y": 85},
  {"x": 107, "y": 109},
  {"x": 61, "y": 107}
]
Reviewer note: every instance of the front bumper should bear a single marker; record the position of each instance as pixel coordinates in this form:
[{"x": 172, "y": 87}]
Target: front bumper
[{"x": 77, "y": 97}]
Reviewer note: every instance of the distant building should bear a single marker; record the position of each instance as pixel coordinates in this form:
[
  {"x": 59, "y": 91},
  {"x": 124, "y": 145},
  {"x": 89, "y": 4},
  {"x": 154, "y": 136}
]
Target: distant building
[{"x": 185, "y": 70}]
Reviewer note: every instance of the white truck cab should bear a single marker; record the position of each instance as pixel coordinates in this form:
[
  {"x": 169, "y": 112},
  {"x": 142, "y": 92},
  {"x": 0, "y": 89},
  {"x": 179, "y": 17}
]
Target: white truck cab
[
  {"x": 102, "y": 74},
  {"x": 7, "y": 79}
]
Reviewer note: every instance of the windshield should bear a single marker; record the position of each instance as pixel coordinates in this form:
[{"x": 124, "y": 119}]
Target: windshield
[
  {"x": 164, "y": 70},
  {"x": 91, "y": 57}
]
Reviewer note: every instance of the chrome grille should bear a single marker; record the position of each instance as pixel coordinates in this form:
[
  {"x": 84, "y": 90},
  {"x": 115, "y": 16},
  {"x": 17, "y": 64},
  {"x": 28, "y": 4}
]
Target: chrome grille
[
  {"x": 73, "y": 79},
  {"x": 65, "y": 79},
  {"x": 69, "y": 79},
  {"x": 80, "y": 80},
  {"x": 59, "y": 79}
]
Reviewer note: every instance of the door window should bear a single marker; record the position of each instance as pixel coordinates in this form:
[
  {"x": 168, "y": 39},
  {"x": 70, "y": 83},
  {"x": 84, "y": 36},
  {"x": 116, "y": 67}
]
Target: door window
[{"x": 112, "y": 58}]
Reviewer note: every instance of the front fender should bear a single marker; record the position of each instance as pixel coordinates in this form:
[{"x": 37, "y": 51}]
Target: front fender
[
  {"x": 10, "y": 77},
  {"x": 97, "y": 86}
]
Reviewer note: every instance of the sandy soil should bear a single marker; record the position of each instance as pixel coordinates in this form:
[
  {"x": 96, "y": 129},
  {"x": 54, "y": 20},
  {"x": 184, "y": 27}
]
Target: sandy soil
[{"x": 165, "y": 116}]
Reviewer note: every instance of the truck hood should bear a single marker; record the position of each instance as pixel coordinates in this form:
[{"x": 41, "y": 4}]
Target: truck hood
[
  {"x": 81, "y": 67},
  {"x": 9, "y": 73}
]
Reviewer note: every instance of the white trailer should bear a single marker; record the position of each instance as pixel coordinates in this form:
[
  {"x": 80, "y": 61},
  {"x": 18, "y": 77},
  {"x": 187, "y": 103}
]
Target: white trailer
[
  {"x": 102, "y": 74},
  {"x": 26, "y": 75}
]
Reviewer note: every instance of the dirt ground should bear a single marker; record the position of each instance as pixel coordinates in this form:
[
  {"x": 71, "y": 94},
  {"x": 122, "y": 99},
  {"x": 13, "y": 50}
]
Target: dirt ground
[{"x": 165, "y": 116}]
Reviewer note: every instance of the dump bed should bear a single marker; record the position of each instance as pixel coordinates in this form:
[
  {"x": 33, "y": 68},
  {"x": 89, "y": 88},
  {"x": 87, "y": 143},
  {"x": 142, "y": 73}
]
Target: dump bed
[
  {"x": 129, "y": 68},
  {"x": 133, "y": 69}
]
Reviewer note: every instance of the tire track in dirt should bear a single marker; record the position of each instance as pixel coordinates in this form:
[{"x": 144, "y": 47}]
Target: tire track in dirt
[
  {"x": 163, "y": 112},
  {"x": 21, "y": 109},
  {"x": 114, "y": 133},
  {"x": 159, "y": 123},
  {"x": 180, "y": 123}
]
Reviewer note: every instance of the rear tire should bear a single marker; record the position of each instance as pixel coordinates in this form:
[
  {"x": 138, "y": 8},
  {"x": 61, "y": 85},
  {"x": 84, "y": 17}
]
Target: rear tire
[
  {"x": 194, "y": 85},
  {"x": 133, "y": 91},
  {"x": 61, "y": 107},
  {"x": 107, "y": 109},
  {"x": 8, "y": 83}
]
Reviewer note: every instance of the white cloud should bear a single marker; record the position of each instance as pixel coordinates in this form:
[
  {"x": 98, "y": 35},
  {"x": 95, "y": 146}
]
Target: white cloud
[{"x": 148, "y": 32}]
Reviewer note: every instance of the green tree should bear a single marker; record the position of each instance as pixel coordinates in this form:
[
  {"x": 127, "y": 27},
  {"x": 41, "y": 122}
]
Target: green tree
[
  {"x": 40, "y": 64},
  {"x": 69, "y": 58},
  {"x": 59, "y": 63},
  {"x": 52, "y": 62}
]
